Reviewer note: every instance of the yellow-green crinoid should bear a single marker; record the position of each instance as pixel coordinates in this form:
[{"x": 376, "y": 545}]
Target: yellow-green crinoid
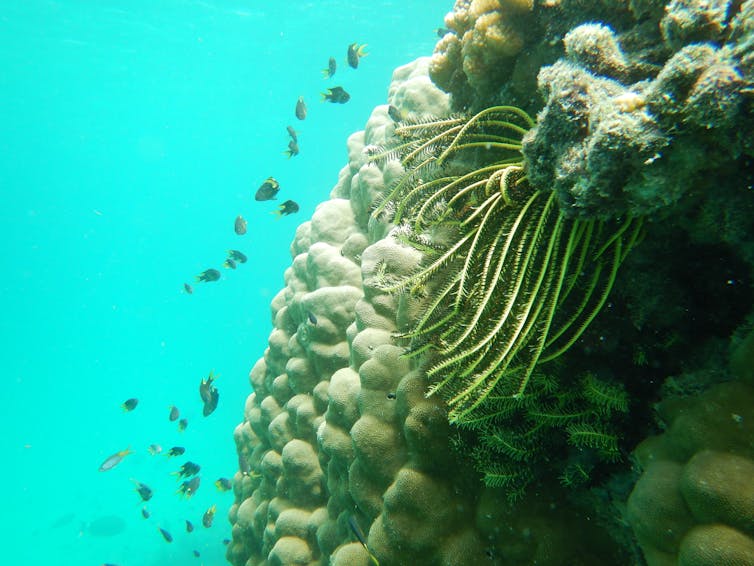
[{"x": 510, "y": 280}]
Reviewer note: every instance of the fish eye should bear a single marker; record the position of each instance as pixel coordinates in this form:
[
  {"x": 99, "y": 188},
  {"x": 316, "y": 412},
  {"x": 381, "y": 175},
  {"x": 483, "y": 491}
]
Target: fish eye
[{"x": 391, "y": 395}]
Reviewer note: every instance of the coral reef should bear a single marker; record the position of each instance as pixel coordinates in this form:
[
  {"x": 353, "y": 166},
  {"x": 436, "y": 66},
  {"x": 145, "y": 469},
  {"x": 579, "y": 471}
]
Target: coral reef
[
  {"x": 694, "y": 503},
  {"x": 637, "y": 107},
  {"x": 340, "y": 426},
  {"x": 642, "y": 131}
]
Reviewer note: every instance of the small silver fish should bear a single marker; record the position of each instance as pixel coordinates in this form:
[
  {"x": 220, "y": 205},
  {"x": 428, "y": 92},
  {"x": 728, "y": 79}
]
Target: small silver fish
[
  {"x": 301, "y": 108},
  {"x": 113, "y": 460}
]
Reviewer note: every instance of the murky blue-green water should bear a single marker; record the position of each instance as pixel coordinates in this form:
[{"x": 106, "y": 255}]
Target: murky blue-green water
[{"x": 132, "y": 133}]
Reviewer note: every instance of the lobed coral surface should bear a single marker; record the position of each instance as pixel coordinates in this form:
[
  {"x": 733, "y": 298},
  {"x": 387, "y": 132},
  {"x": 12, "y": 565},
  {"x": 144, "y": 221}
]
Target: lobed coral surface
[{"x": 644, "y": 110}]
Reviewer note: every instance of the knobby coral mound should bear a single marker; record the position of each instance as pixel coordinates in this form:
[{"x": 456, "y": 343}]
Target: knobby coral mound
[
  {"x": 694, "y": 503},
  {"x": 340, "y": 428}
]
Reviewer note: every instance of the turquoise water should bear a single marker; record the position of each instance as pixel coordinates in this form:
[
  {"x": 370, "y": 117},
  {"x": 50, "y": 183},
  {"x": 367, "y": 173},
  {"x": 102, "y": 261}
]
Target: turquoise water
[{"x": 133, "y": 133}]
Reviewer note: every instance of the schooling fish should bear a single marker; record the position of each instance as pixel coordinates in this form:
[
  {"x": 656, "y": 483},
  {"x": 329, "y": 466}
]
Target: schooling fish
[
  {"x": 395, "y": 114},
  {"x": 237, "y": 256},
  {"x": 288, "y": 207},
  {"x": 267, "y": 190},
  {"x": 229, "y": 264},
  {"x": 209, "y": 516},
  {"x": 154, "y": 449},
  {"x": 144, "y": 491},
  {"x": 355, "y": 52},
  {"x": 176, "y": 451},
  {"x": 188, "y": 288},
  {"x": 332, "y": 66},
  {"x": 292, "y": 149},
  {"x": 189, "y": 526},
  {"x": 166, "y": 535},
  {"x": 174, "y": 413},
  {"x": 205, "y": 386},
  {"x": 209, "y": 394},
  {"x": 189, "y": 487},
  {"x": 336, "y": 94},
  {"x": 223, "y": 484},
  {"x": 293, "y": 133},
  {"x": 196, "y": 553},
  {"x": 208, "y": 275},
  {"x": 130, "y": 404},
  {"x": 187, "y": 470},
  {"x": 359, "y": 534},
  {"x": 145, "y": 512},
  {"x": 240, "y": 225},
  {"x": 300, "y": 108},
  {"x": 182, "y": 425},
  {"x": 112, "y": 461}
]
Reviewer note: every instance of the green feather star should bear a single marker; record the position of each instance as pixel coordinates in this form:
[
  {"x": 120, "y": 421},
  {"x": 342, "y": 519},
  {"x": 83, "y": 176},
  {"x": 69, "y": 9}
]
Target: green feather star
[{"x": 510, "y": 281}]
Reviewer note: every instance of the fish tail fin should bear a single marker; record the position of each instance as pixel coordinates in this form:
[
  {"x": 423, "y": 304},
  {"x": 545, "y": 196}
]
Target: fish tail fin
[
  {"x": 361, "y": 51},
  {"x": 326, "y": 73},
  {"x": 324, "y": 96}
]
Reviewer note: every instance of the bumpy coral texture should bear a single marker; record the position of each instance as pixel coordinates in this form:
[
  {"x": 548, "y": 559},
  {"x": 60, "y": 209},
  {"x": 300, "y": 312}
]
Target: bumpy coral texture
[
  {"x": 339, "y": 426},
  {"x": 637, "y": 107},
  {"x": 610, "y": 144},
  {"x": 694, "y": 503}
]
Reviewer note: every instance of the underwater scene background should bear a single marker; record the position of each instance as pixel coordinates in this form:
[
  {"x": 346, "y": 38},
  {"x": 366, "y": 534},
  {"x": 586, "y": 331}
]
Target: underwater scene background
[
  {"x": 376, "y": 285},
  {"x": 133, "y": 134}
]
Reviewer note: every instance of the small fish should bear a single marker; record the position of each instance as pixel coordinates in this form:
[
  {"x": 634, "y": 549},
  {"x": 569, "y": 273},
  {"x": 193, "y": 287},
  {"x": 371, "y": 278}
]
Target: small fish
[
  {"x": 240, "y": 225},
  {"x": 442, "y": 32},
  {"x": 267, "y": 190},
  {"x": 176, "y": 451},
  {"x": 189, "y": 526},
  {"x": 188, "y": 288},
  {"x": 292, "y": 149},
  {"x": 332, "y": 66},
  {"x": 182, "y": 425},
  {"x": 229, "y": 264},
  {"x": 154, "y": 449},
  {"x": 293, "y": 133},
  {"x": 145, "y": 512},
  {"x": 209, "y": 516},
  {"x": 144, "y": 491},
  {"x": 226, "y": 541},
  {"x": 196, "y": 553},
  {"x": 189, "y": 487},
  {"x": 223, "y": 484},
  {"x": 187, "y": 470},
  {"x": 359, "y": 534},
  {"x": 355, "y": 52},
  {"x": 166, "y": 535},
  {"x": 205, "y": 386},
  {"x": 312, "y": 318},
  {"x": 336, "y": 94},
  {"x": 209, "y": 394},
  {"x": 208, "y": 276},
  {"x": 395, "y": 114},
  {"x": 130, "y": 404},
  {"x": 288, "y": 207},
  {"x": 237, "y": 256},
  {"x": 300, "y": 108},
  {"x": 174, "y": 413},
  {"x": 112, "y": 461}
]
